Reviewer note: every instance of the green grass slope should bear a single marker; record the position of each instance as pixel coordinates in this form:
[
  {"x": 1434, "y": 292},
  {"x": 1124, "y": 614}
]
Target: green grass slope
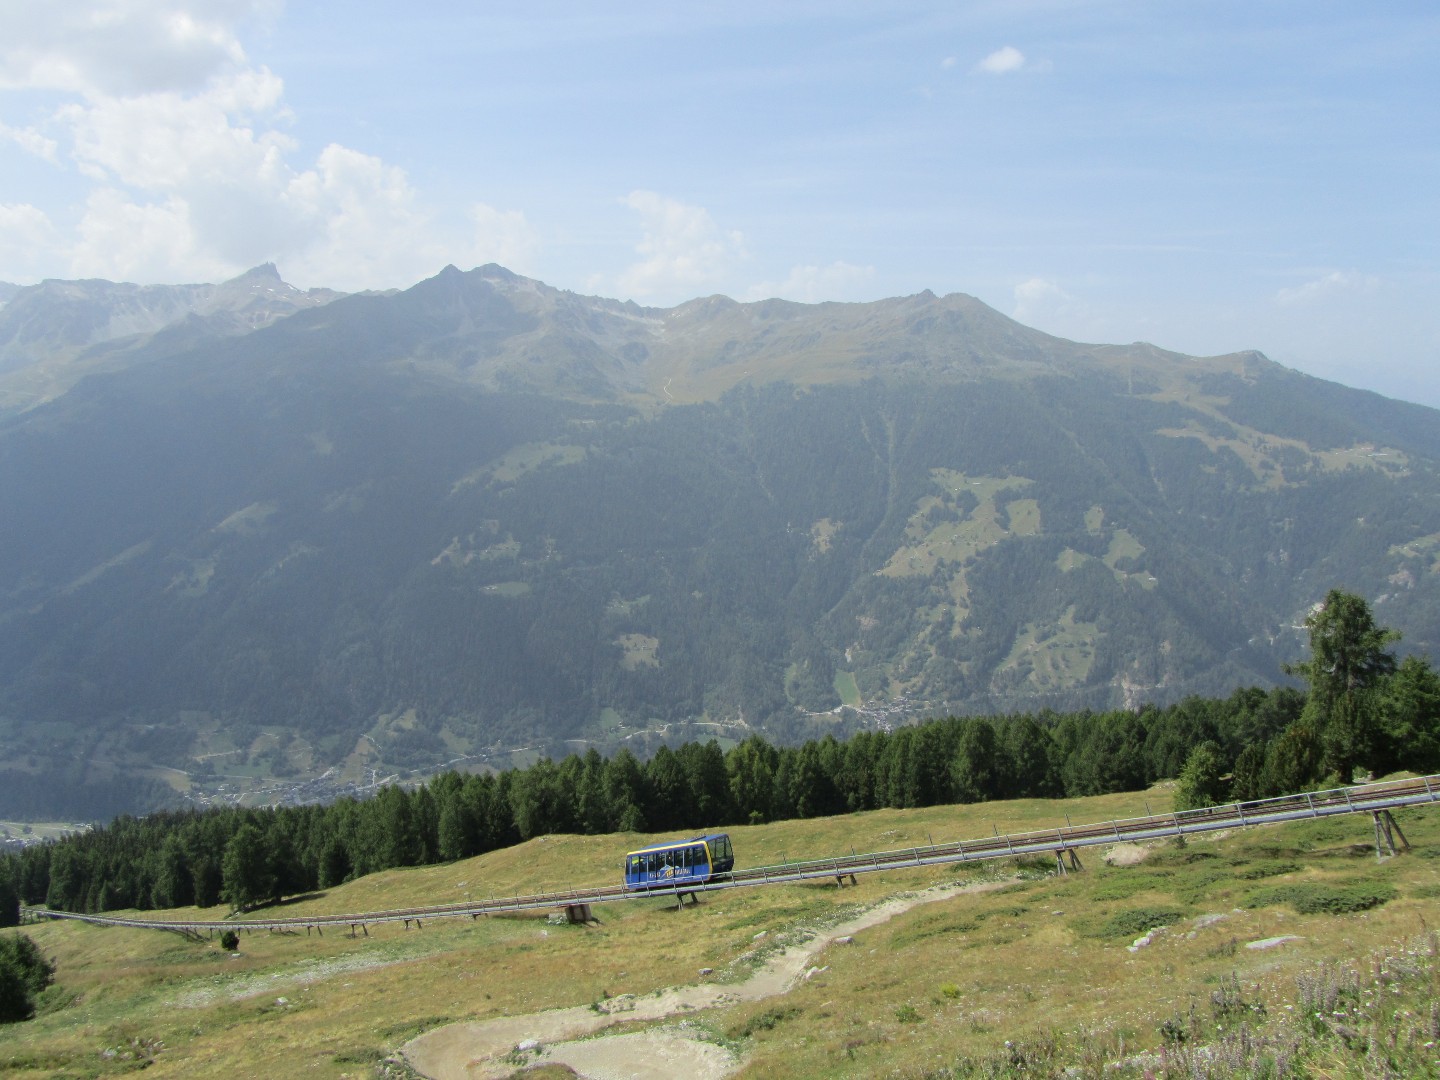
[{"x": 1036, "y": 974}]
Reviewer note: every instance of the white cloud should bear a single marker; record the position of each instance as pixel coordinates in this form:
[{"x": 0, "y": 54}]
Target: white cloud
[
  {"x": 193, "y": 175},
  {"x": 502, "y": 236},
  {"x": 1002, "y": 61},
  {"x": 815, "y": 284},
  {"x": 169, "y": 140},
  {"x": 1335, "y": 283},
  {"x": 374, "y": 227},
  {"x": 123, "y": 240},
  {"x": 683, "y": 250},
  {"x": 25, "y": 232},
  {"x": 103, "y": 48},
  {"x": 1045, "y": 305},
  {"x": 369, "y": 224},
  {"x": 949, "y": 62},
  {"x": 32, "y": 142}
]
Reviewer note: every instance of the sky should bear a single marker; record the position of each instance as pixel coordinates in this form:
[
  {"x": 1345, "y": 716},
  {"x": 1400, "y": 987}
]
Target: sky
[{"x": 1206, "y": 177}]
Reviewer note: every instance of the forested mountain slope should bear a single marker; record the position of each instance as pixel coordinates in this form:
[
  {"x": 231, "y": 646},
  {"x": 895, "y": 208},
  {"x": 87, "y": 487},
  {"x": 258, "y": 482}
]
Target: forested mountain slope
[{"x": 482, "y": 514}]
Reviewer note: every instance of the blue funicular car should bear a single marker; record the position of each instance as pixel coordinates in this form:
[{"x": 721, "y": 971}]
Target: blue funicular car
[{"x": 680, "y": 862}]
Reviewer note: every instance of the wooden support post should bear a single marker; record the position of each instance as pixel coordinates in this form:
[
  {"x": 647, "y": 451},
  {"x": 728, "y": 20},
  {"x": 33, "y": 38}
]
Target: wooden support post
[
  {"x": 1383, "y": 839},
  {"x": 1060, "y": 861},
  {"x": 1396, "y": 826},
  {"x": 1386, "y": 830},
  {"x": 1074, "y": 859}
]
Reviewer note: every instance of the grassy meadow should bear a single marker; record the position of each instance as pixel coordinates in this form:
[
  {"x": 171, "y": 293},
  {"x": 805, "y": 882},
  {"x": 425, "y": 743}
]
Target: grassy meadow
[{"x": 1028, "y": 978}]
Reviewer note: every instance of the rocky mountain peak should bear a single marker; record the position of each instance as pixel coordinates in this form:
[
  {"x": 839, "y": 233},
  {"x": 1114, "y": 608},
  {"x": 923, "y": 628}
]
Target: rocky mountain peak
[{"x": 61, "y": 324}]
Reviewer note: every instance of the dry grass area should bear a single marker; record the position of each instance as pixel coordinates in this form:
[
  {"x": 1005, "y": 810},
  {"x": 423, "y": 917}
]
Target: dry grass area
[{"x": 1041, "y": 960}]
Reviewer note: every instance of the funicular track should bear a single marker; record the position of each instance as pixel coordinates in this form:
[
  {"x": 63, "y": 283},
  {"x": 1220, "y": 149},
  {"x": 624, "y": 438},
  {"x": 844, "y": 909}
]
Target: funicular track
[{"x": 1374, "y": 799}]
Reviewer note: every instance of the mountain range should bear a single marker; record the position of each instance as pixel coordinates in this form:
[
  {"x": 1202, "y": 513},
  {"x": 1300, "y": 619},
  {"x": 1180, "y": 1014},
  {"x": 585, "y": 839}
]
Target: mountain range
[
  {"x": 253, "y": 533},
  {"x": 55, "y": 332}
]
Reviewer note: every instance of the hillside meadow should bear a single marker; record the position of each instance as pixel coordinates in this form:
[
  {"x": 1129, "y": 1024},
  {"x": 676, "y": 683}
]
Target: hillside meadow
[{"x": 1033, "y": 975}]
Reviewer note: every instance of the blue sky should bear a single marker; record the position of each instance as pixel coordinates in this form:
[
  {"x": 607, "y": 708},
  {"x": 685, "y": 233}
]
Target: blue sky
[{"x": 1207, "y": 177}]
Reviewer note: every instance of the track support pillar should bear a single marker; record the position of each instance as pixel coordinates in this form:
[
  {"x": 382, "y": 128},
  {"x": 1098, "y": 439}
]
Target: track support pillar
[
  {"x": 1386, "y": 830},
  {"x": 579, "y": 914}
]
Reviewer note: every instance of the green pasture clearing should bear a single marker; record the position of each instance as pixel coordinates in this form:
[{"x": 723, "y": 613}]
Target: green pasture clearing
[
  {"x": 638, "y": 650},
  {"x": 1049, "y": 656},
  {"x": 1258, "y": 452},
  {"x": 942, "y": 532},
  {"x": 521, "y": 460},
  {"x": 844, "y": 684},
  {"x": 509, "y": 589}
]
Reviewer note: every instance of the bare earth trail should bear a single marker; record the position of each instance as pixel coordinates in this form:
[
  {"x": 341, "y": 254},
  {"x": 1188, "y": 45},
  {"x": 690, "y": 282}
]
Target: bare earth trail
[{"x": 497, "y": 1047}]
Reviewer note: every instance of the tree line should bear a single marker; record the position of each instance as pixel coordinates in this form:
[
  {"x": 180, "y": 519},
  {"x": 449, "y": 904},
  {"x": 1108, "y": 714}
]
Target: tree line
[
  {"x": 1364, "y": 710},
  {"x": 1361, "y": 710}
]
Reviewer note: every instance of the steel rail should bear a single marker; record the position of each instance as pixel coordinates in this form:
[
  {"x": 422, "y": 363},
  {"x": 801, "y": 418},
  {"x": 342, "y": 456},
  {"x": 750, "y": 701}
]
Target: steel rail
[{"x": 1365, "y": 798}]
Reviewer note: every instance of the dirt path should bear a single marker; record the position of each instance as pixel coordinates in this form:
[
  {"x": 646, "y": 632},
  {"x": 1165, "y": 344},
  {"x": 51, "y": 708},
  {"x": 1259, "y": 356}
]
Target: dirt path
[{"x": 496, "y": 1048}]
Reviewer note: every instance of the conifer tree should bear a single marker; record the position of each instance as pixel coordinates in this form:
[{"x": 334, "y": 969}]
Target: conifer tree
[
  {"x": 24, "y": 972},
  {"x": 1411, "y": 718},
  {"x": 245, "y": 869},
  {"x": 9, "y": 898},
  {"x": 1348, "y": 659},
  {"x": 1202, "y": 780}
]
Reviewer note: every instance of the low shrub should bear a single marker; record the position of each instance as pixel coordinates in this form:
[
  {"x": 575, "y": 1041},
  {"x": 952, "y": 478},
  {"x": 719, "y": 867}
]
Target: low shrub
[
  {"x": 1123, "y": 888},
  {"x": 1130, "y": 923},
  {"x": 766, "y": 1020},
  {"x": 1259, "y": 871},
  {"x": 1197, "y": 886},
  {"x": 1312, "y": 898},
  {"x": 1185, "y": 856}
]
